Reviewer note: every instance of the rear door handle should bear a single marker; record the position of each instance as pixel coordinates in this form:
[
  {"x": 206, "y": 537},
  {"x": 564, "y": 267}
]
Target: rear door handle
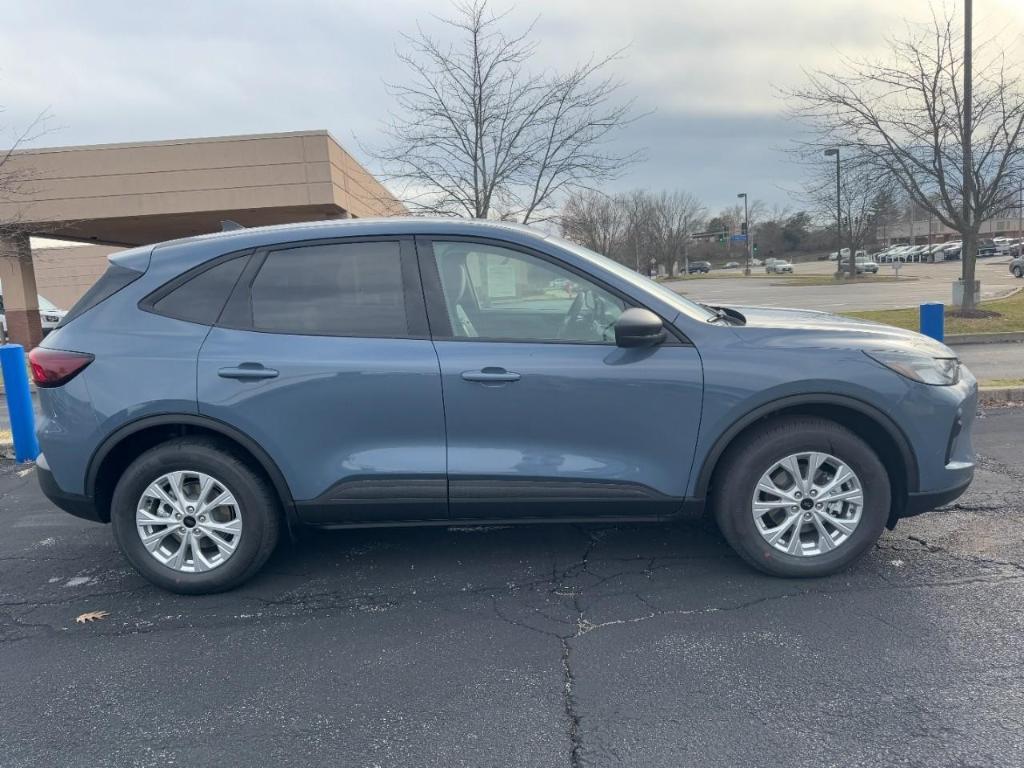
[
  {"x": 247, "y": 372},
  {"x": 490, "y": 375}
]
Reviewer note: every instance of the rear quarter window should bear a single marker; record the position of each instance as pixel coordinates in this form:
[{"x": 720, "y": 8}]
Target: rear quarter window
[{"x": 198, "y": 296}]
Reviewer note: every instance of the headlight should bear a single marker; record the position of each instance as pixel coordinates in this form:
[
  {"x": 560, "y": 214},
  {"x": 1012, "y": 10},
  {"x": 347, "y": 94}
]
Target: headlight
[{"x": 938, "y": 371}]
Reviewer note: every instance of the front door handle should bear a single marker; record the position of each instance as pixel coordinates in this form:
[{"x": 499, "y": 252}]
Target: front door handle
[
  {"x": 490, "y": 375},
  {"x": 247, "y": 372}
]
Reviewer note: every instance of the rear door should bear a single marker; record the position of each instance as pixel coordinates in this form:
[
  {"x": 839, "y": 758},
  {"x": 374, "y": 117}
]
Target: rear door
[
  {"x": 322, "y": 355},
  {"x": 545, "y": 416}
]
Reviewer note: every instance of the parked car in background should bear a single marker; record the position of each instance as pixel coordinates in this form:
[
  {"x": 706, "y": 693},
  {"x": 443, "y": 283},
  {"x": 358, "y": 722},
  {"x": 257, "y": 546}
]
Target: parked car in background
[
  {"x": 1003, "y": 245},
  {"x": 731, "y": 265},
  {"x": 1017, "y": 267},
  {"x": 698, "y": 267},
  {"x": 777, "y": 266},
  {"x": 211, "y": 393},
  {"x": 987, "y": 248},
  {"x": 950, "y": 251},
  {"x": 862, "y": 265},
  {"x": 49, "y": 314}
]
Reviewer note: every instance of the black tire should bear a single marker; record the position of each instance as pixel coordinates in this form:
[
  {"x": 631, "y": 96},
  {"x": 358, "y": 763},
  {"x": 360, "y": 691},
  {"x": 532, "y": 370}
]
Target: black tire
[
  {"x": 258, "y": 505},
  {"x": 1018, "y": 272},
  {"x": 740, "y": 469}
]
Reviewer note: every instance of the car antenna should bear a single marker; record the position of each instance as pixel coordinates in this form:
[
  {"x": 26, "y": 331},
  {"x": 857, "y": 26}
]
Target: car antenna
[{"x": 227, "y": 225}]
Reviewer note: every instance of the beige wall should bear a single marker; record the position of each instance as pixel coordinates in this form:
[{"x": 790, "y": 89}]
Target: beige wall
[
  {"x": 64, "y": 274},
  {"x": 131, "y": 194}
]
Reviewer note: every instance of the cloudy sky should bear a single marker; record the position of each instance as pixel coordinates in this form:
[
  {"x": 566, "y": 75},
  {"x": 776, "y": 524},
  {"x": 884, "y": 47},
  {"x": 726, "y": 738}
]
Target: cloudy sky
[{"x": 707, "y": 70}]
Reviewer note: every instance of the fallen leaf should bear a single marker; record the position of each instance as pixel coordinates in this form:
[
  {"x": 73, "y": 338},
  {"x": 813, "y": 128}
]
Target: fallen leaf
[{"x": 92, "y": 616}]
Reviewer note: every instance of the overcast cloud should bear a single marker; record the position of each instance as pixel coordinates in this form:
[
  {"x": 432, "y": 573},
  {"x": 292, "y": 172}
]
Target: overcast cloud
[{"x": 129, "y": 71}]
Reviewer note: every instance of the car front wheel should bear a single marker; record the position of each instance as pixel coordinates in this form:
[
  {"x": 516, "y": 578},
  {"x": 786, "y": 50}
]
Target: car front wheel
[
  {"x": 193, "y": 517},
  {"x": 801, "y": 497},
  {"x": 1018, "y": 271}
]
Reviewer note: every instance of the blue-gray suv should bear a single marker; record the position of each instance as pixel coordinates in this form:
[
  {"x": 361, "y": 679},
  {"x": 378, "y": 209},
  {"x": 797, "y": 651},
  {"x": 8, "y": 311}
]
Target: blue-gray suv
[{"x": 207, "y": 394}]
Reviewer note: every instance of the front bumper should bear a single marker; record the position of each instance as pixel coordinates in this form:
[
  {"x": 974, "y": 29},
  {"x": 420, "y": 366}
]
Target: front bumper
[{"x": 79, "y": 506}]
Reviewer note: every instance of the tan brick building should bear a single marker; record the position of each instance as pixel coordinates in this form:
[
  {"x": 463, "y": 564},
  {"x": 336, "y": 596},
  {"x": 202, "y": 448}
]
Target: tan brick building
[{"x": 132, "y": 194}]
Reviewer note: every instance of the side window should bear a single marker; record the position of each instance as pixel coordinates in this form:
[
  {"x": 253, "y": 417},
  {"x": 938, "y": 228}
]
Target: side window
[
  {"x": 492, "y": 292},
  {"x": 201, "y": 299},
  {"x": 339, "y": 289}
]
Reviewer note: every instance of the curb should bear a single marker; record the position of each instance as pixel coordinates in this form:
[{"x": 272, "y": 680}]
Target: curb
[
  {"x": 1000, "y": 395},
  {"x": 955, "y": 339}
]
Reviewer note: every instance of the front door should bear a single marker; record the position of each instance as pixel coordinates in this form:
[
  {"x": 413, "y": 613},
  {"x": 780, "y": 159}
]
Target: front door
[
  {"x": 545, "y": 417},
  {"x": 322, "y": 355}
]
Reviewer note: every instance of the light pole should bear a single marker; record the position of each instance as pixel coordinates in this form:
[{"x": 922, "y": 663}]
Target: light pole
[
  {"x": 839, "y": 220},
  {"x": 746, "y": 229}
]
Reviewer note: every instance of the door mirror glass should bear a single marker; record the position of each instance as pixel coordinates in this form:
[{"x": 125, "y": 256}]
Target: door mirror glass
[{"x": 638, "y": 327}]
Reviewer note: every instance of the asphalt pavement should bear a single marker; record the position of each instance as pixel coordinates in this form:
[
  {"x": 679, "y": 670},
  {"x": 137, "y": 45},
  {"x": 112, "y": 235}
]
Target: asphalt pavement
[{"x": 635, "y": 645}]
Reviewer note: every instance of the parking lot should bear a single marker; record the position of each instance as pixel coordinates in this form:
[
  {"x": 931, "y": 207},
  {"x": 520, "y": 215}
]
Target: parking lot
[
  {"x": 932, "y": 283},
  {"x": 568, "y": 645}
]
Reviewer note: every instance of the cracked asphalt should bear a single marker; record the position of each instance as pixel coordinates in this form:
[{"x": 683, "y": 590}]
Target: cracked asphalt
[{"x": 545, "y": 646}]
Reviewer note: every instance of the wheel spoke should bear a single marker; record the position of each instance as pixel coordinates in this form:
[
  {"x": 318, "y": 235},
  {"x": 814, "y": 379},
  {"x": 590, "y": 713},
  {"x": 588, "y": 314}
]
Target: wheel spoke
[
  {"x": 767, "y": 486},
  {"x": 145, "y": 517},
  {"x": 795, "y": 545},
  {"x": 222, "y": 499},
  {"x": 843, "y": 474},
  {"x": 234, "y": 527},
  {"x": 152, "y": 541},
  {"x": 226, "y": 547},
  {"x": 156, "y": 491},
  {"x": 198, "y": 561},
  {"x": 825, "y": 541},
  {"x": 792, "y": 466},
  {"x": 853, "y": 496},
  {"x": 845, "y": 526},
  {"x": 178, "y": 558},
  {"x": 773, "y": 535}
]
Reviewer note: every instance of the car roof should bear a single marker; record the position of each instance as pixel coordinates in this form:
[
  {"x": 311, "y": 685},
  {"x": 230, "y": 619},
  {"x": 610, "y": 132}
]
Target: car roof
[{"x": 394, "y": 225}]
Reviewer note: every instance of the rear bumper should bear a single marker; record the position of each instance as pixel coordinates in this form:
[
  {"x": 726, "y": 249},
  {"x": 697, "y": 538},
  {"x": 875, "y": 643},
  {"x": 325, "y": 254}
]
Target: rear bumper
[{"x": 72, "y": 503}]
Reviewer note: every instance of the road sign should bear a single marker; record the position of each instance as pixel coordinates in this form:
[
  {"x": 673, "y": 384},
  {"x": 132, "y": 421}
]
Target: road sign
[{"x": 738, "y": 238}]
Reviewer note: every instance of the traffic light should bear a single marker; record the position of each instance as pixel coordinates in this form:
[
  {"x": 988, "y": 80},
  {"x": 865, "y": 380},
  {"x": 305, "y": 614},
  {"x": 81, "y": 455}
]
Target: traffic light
[
  {"x": 743, "y": 228},
  {"x": 755, "y": 247},
  {"x": 721, "y": 237}
]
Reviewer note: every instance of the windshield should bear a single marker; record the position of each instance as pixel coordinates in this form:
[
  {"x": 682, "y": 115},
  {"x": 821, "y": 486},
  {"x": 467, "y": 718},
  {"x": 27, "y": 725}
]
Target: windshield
[{"x": 679, "y": 302}]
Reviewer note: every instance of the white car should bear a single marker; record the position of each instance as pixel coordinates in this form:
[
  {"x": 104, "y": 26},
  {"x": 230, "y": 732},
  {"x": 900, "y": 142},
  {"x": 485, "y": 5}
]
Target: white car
[
  {"x": 49, "y": 314},
  {"x": 777, "y": 266}
]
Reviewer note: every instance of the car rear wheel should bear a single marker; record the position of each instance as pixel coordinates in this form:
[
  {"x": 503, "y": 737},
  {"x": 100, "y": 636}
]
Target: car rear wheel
[
  {"x": 801, "y": 497},
  {"x": 1018, "y": 271},
  {"x": 194, "y": 518}
]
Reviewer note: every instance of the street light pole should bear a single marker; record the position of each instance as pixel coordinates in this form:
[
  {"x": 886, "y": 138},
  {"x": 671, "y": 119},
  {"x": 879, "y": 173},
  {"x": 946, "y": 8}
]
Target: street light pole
[
  {"x": 746, "y": 227},
  {"x": 839, "y": 220}
]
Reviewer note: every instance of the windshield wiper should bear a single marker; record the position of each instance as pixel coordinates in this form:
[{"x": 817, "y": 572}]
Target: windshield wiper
[{"x": 731, "y": 316}]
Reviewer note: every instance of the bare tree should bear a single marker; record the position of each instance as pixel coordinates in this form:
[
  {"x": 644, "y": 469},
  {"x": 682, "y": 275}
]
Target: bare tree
[
  {"x": 594, "y": 220},
  {"x": 864, "y": 190},
  {"x": 476, "y": 131},
  {"x": 15, "y": 178},
  {"x": 957, "y": 158},
  {"x": 676, "y": 217}
]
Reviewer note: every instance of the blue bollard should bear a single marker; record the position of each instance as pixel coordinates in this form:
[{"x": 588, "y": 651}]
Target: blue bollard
[
  {"x": 19, "y": 402},
  {"x": 933, "y": 320}
]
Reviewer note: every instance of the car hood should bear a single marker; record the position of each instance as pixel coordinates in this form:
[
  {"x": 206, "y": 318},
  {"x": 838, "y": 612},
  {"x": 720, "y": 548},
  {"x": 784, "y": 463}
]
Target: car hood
[{"x": 805, "y": 327}]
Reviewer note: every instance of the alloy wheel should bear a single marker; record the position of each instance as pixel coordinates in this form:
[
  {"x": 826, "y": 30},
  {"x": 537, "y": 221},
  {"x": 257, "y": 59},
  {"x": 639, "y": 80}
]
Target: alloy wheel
[
  {"x": 189, "y": 521},
  {"x": 807, "y": 504}
]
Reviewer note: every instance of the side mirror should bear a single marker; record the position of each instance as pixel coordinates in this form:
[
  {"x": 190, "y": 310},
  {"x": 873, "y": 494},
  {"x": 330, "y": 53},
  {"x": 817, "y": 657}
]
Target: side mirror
[{"x": 639, "y": 328}]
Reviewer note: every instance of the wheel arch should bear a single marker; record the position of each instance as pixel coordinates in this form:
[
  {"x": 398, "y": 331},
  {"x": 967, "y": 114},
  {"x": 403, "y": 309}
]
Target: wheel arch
[
  {"x": 128, "y": 440},
  {"x": 863, "y": 419}
]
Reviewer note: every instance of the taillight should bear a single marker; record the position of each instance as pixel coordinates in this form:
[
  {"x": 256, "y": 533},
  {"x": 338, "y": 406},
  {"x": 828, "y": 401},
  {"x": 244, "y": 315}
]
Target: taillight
[{"x": 53, "y": 367}]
